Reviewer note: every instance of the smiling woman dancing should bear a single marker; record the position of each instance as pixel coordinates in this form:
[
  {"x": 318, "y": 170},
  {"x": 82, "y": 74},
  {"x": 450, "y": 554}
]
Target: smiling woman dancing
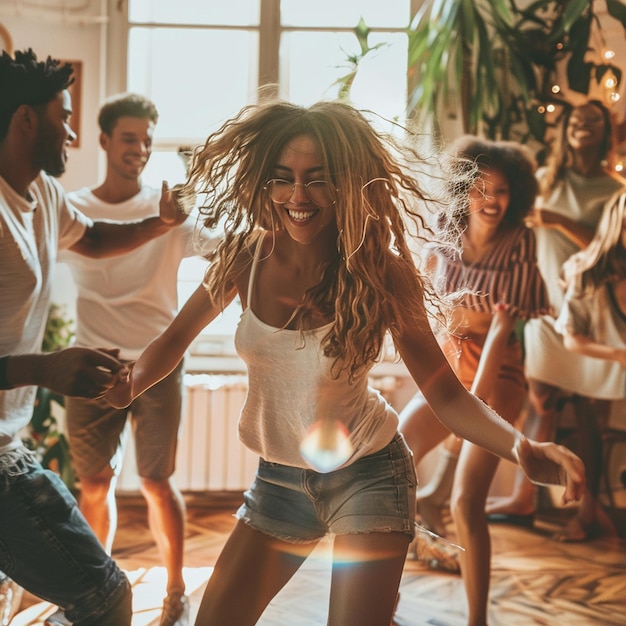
[
  {"x": 495, "y": 281},
  {"x": 316, "y": 206}
]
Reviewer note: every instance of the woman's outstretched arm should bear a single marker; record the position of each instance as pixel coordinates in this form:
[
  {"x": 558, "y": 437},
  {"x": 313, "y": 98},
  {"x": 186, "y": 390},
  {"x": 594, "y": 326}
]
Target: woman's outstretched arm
[
  {"x": 165, "y": 352},
  {"x": 470, "y": 418}
]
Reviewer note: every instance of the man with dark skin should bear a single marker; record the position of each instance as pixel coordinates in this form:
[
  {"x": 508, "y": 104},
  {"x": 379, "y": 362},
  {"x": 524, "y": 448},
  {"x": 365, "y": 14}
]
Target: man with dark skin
[{"x": 46, "y": 545}]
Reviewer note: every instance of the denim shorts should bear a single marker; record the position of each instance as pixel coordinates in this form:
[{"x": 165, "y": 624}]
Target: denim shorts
[
  {"x": 47, "y": 547},
  {"x": 374, "y": 494}
]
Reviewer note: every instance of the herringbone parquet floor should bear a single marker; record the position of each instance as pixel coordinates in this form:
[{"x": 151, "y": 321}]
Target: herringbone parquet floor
[{"x": 535, "y": 580}]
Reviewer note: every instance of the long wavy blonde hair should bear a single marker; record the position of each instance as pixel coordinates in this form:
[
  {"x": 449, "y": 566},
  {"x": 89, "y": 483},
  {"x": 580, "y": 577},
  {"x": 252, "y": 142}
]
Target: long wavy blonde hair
[{"x": 381, "y": 183}]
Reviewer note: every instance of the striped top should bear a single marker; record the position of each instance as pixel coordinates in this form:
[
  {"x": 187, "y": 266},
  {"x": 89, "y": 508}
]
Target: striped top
[{"x": 505, "y": 278}]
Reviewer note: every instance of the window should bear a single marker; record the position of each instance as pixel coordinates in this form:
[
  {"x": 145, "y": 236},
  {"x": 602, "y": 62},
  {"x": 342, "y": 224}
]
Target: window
[{"x": 201, "y": 62}]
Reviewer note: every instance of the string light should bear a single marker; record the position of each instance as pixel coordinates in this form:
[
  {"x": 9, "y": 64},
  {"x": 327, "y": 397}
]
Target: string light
[{"x": 610, "y": 84}]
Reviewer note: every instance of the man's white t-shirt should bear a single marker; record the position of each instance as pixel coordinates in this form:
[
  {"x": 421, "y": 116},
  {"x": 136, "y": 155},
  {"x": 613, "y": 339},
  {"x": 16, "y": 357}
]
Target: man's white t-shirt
[
  {"x": 126, "y": 301},
  {"x": 31, "y": 233}
]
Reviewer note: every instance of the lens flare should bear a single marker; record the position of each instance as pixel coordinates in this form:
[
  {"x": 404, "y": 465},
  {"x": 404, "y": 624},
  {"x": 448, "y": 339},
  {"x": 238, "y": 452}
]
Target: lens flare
[{"x": 326, "y": 445}]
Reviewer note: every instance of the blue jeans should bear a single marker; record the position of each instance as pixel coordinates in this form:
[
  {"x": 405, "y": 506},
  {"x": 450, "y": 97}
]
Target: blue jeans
[{"x": 47, "y": 547}]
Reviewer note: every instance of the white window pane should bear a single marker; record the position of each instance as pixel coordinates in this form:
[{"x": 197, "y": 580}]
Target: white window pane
[
  {"x": 346, "y": 13},
  {"x": 197, "y": 78},
  {"x": 226, "y": 323},
  {"x": 190, "y": 275},
  {"x": 380, "y": 84},
  {"x": 162, "y": 166},
  {"x": 232, "y": 12}
]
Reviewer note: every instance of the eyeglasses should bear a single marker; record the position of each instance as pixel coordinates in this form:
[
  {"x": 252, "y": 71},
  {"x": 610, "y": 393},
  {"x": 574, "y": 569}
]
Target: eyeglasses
[{"x": 319, "y": 192}]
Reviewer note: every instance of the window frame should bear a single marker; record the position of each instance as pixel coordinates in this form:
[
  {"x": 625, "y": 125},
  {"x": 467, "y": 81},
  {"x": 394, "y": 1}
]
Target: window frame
[{"x": 269, "y": 31}]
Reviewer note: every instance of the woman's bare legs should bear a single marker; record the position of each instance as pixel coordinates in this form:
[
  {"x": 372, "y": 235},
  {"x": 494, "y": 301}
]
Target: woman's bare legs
[
  {"x": 432, "y": 497},
  {"x": 475, "y": 471},
  {"x": 367, "y": 569},
  {"x": 590, "y": 519},
  {"x": 540, "y": 425},
  {"x": 421, "y": 429},
  {"x": 251, "y": 569},
  {"x": 423, "y": 432}
]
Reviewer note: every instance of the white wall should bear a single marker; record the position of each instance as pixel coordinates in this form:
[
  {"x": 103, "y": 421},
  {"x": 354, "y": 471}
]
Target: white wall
[
  {"x": 49, "y": 34},
  {"x": 72, "y": 38}
]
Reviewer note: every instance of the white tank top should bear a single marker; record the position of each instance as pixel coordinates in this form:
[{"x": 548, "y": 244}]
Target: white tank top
[{"x": 290, "y": 387}]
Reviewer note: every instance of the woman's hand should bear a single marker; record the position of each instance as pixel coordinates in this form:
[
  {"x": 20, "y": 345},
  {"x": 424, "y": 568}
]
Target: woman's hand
[
  {"x": 575, "y": 232},
  {"x": 552, "y": 464},
  {"x": 542, "y": 218},
  {"x": 120, "y": 395}
]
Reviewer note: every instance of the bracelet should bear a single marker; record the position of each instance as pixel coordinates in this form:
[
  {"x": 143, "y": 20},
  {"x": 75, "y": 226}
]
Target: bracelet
[{"x": 4, "y": 381}]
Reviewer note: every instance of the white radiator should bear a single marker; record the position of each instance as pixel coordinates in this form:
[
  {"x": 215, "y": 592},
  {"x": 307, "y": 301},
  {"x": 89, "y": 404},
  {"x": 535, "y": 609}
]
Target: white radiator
[{"x": 210, "y": 456}]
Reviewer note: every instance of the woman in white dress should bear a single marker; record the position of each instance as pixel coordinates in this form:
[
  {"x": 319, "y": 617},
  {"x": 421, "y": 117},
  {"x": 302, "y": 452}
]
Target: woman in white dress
[
  {"x": 593, "y": 323},
  {"x": 574, "y": 186}
]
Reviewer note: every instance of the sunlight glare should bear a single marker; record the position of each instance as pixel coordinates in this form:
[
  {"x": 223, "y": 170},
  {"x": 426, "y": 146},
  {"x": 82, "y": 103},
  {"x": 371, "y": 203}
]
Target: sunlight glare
[{"x": 326, "y": 446}]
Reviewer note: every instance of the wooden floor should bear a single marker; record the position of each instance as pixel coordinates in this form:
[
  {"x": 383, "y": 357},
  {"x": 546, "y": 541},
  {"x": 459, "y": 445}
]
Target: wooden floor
[{"x": 535, "y": 580}]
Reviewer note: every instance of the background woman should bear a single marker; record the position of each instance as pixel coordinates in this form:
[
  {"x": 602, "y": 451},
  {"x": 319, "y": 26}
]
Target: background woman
[
  {"x": 496, "y": 282},
  {"x": 574, "y": 186},
  {"x": 593, "y": 322}
]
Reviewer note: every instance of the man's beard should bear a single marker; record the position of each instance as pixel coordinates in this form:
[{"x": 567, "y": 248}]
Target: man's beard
[{"x": 47, "y": 155}]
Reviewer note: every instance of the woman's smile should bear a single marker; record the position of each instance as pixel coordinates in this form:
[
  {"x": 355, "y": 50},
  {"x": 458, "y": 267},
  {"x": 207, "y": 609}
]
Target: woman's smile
[{"x": 301, "y": 164}]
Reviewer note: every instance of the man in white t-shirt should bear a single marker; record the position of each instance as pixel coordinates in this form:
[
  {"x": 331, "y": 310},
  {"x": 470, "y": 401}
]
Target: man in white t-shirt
[
  {"x": 46, "y": 546},
  {"x": 126, "y": 301}
]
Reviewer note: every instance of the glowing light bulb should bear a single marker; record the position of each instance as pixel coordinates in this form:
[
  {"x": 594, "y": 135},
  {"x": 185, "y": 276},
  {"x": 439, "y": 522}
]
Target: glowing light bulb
[
  {"x": 326, "y": 445},
  {"x": 541, "y": 109},
  {"x": 608, "y": 54},
  {"x": 610, "y": 82},
  {"x": 550, "y": 108},
  {"x": 555, "y": 89},
  {"x": 614, "y": 97}
]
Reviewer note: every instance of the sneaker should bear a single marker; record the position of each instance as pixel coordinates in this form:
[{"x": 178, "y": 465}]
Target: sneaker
[
  {"x": 175, "y": 610},
  {"x": 57, "y": 619},
  {"x": 437, "y": 552}
]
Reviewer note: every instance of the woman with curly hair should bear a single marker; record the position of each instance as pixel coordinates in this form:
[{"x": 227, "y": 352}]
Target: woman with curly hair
[
  {"x": 315, "y": 206},
  {"x": 494, "y": 282}
]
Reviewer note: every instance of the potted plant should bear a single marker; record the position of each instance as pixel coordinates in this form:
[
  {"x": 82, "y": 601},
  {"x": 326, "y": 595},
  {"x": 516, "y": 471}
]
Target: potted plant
[
  {"x": 498, "y": 60},
  {"x": 44, "y": 435}
]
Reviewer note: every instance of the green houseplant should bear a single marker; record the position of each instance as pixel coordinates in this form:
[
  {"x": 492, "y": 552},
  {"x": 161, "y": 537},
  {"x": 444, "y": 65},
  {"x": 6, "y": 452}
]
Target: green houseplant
[
  {"x": 497, "y": 60},
  {"x": 43, "y": 434}
]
